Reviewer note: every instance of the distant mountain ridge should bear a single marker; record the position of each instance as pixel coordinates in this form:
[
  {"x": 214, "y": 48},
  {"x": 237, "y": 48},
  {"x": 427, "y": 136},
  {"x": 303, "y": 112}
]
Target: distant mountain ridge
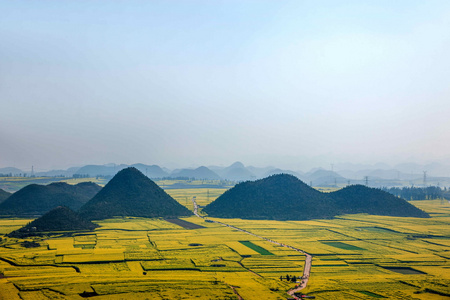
[
  {"x": 198, "y": 173},
  {"x": 11, "y": 170},
  {"x": 379, "y": 174}
]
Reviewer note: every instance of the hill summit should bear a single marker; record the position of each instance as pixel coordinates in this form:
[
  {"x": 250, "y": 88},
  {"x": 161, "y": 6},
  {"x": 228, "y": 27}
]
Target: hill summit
[
  {"x": 131, "y": 193},
  {"x": 36, "y": 199},
  {"x": 59, "y": 219},
  {"x": 278, "y": 197},
  {"x": 284, "y": 197}
]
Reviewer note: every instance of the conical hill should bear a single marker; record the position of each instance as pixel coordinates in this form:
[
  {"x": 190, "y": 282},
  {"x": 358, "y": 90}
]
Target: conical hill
[
  {"x": 59, "y": 219},
  {"x": 131, "y": 193},
  {"x": 278, "y": 197},
  {"x": 36, "y": 199},
  {"x": 362, "y": 199},
  {"x": 284, "y": 197}
]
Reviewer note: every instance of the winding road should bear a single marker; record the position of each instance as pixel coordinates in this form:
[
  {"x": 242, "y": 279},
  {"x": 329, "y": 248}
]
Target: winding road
[{"x": 308, "y": 259}]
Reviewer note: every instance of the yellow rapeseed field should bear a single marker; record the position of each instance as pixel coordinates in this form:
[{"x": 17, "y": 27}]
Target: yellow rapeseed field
[{"x": 354, "y": 257}]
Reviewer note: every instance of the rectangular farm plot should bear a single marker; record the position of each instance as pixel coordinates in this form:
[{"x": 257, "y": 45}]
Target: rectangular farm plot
[
  {"x": 343, "y": 246},
  {"x": 256, "y": 248},
  {"x": 241, "y": 249},
  {"x": 98, "y": 255},
  {"x": 60, "y": 244},
  {"x": 185, "y": 224}
]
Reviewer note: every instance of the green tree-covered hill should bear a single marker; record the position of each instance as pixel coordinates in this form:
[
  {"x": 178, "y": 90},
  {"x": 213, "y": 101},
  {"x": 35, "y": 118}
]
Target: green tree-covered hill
[
  {"x": 59, "y": 219},
  {"x": 4, "y": 195},
  {"x": 131, "y": 193},
  {"x": 36, "y": 200},
  {"x": 284, "y": 197},
  {"x": 362, "y": 199},
  {"x": 278, "y": 197}
]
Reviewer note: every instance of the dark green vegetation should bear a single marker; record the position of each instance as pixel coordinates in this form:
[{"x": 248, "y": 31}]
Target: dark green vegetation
[
  {"x": 256, "y": 248},
  {"x": 131, "y": 193},
  {"x": 418, "y": 193},
  {"x": 4, "y": 195},
  {"x": 185, "y": 224},
  {"x": 404, "y": 270},
  {"x": 59, "y": 219},
  {"x": 278, "y": 197},
  {"x": 36, "y": 200},
  {"x": 341, "y": 245},
  {"x": 371, "y": 294},
  {"x": 356, "y": 199},
  {"x": 285, "y": 197}
]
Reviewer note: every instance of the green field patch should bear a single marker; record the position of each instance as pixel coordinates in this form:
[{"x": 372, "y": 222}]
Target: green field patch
[
  {"x": 404, "y": 270},
  {"x": 371, "y": 294},
  {"x": 256, "y": 248},
  {"x": 342, "y": 245},
  {"x": 84, "y": 246},
  {"x": 379, "y": 229}
]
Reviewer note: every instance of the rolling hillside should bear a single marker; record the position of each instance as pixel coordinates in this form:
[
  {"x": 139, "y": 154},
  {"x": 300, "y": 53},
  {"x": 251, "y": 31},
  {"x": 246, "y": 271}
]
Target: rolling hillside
[
  {"x": 35, "y": 199},
  {"x": 284, "y": 197}
]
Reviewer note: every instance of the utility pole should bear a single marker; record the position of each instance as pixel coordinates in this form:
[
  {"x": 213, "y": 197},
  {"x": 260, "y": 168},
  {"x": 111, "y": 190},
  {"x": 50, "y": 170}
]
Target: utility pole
[
  {"x": 366, "y": 179},
  {"x": 424, "y": 178},
  {"x": 207, "y": 196}
]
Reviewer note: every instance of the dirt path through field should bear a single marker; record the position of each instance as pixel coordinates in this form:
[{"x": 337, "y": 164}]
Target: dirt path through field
[{"x": 308, "y": 259}]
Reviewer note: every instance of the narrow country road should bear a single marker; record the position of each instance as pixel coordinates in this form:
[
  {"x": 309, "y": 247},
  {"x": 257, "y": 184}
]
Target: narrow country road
[{"x": 308, "y": 259}]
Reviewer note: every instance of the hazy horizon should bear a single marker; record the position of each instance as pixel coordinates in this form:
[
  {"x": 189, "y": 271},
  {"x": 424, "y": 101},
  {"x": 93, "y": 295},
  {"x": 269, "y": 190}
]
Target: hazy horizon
[{"x": 293, "y": 84}]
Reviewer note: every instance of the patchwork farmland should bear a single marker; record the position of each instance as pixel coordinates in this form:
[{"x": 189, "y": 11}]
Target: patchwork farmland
[{"x": 355, "y": 257}]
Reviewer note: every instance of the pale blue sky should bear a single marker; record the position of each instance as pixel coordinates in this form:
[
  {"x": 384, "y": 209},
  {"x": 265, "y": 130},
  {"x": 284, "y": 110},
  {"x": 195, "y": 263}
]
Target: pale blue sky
[{"x": 287, "y": 83}]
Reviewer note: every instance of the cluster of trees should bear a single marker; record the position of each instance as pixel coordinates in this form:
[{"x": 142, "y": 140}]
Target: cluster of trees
[
  {"x": 12, "y": 175},
  {"x": 81, "y": 176},
  {"x": 291, "y": 278},
  {"x": 418, "y": 193}
]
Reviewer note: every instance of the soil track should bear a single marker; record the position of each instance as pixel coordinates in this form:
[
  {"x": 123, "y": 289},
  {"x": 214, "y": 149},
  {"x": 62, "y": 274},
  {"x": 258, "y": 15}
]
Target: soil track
[{"x": 308, "y": 259}]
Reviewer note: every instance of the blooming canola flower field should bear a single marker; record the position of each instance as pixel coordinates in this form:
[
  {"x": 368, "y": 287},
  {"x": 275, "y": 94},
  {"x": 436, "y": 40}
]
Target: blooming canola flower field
[{"x": 354, "y": 257}]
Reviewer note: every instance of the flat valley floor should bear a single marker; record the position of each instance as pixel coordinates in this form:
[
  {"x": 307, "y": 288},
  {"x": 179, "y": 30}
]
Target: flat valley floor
[{"x": 354, "y": 257}]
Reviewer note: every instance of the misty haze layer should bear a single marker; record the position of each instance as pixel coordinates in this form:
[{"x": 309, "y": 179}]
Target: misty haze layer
[{"x": 288, "y": 83}]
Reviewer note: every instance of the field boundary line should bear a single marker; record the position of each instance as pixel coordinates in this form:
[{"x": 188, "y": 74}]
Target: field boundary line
[{"x": 308, "y": 259}]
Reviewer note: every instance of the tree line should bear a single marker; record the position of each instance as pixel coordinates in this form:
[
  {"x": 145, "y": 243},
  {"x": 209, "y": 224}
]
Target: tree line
[{"x": 419, "y": 193}]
